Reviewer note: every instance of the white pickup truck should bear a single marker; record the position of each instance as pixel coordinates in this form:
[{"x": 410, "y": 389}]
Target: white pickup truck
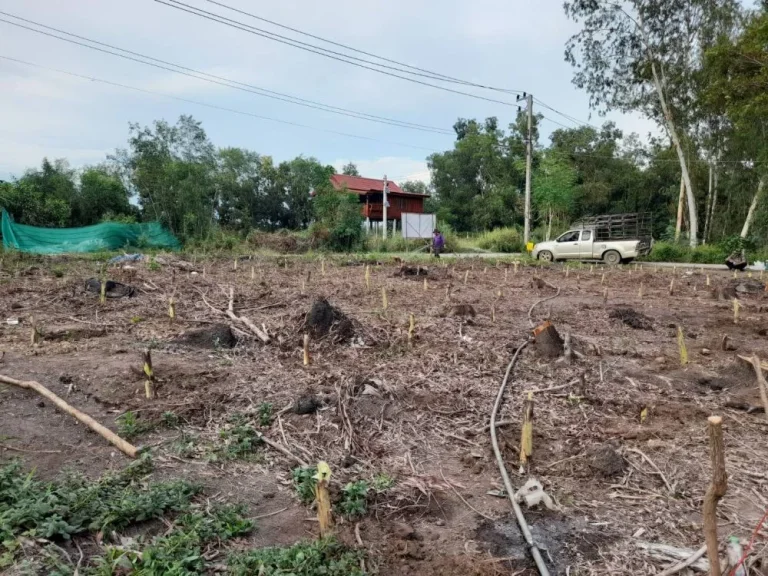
[{"x": 580, "y": 245}]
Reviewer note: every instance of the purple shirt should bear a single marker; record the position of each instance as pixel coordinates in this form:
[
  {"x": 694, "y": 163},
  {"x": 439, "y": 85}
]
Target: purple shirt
[{"x": 438, "y": 241}]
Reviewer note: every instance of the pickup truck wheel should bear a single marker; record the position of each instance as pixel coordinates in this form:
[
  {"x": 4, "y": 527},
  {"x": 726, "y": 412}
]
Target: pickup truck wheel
[
  {"x": 545, "y": 255},
  {"x": 612, "y": 258}
]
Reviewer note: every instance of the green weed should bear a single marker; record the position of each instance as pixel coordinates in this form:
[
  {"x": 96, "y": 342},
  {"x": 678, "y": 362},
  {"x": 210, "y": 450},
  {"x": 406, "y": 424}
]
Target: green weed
[
  {"x": 325, "y": 557},
  {"x": 130, "y": 426},
  {"x": 74, "y": 505},
  {"x": 170, "y": 419},
  {"x": 265, "y": 414},
  {"x": 179, "y": 552},
  {"x": 354, "y": 499},
  {"x": 240, "y": 439},
  {"x": 304, "y": 483},
  {"x": 382, "y": 482}
]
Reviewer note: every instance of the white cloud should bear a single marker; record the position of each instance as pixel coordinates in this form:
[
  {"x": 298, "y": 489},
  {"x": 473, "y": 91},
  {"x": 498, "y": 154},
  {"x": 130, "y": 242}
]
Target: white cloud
[
  {"x": 16, "y": 157},
  {"x": 398, "y": 169}
]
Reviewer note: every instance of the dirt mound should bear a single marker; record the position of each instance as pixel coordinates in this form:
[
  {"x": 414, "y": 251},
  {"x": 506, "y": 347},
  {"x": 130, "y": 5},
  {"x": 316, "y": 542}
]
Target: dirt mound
[
  {"x": 281, "y": 241},
  {"x": 631, "y": 318},
  {"x": 412, "y": 271},
  {"x": 606, "y": 461},
  {"x": 325, "y": 320},
  {"x": 214, "y": 336},
  {"x": 112, "y": 289},
  {"x": 743, "y": 288}
]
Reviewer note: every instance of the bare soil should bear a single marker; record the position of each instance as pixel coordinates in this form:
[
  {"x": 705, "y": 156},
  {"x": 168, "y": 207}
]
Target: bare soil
[{"x": 415, "y": 410}]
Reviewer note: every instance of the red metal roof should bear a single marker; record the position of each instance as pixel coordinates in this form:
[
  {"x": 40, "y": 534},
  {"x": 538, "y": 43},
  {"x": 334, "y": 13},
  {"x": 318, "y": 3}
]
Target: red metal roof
[{"x": 359, "y": 185}]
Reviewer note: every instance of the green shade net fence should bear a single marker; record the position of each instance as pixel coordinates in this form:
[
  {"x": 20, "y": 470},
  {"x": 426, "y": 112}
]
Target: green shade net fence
[{"x": 105, "y": 236}]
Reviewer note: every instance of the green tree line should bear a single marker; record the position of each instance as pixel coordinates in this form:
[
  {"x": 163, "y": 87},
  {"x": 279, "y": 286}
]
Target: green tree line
[{"x": 697, "y": 68}]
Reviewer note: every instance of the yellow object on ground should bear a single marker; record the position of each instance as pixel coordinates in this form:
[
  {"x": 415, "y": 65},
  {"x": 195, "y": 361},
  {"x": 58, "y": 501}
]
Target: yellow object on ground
[
  {"x": 529, "y": 246},
  {"x": 323, "y": 498}
]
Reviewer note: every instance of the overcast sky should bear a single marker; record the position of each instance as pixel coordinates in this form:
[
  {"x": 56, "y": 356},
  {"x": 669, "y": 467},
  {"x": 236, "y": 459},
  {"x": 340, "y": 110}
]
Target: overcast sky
[{"x": 515, "y": 44}]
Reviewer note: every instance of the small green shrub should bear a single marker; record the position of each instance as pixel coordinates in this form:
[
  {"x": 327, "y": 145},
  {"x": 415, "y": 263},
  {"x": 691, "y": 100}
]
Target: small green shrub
[
  {"x": 265, "y": 414},
  {"x": 383, "y": 482},
  {"x": 304, "y": 483},
  {"x": 129, "y": 425},
  {"x": 667, "y": 252},
  {"x": 708, "y": 254},
  {"x": 354, "y": 499},
  {"x": 501, "y": 240},
  {"x": 240, "y": 439},
  {"x": 326, "y": 557},
  {"x": 170, "y": 419}
]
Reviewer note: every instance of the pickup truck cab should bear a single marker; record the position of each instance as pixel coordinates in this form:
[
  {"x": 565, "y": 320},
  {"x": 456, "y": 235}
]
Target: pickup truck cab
[{"x": 582, "y": 244}]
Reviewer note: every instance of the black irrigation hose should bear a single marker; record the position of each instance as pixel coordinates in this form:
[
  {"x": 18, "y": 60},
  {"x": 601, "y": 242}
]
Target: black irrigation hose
[{"x": 543, "y": 571}]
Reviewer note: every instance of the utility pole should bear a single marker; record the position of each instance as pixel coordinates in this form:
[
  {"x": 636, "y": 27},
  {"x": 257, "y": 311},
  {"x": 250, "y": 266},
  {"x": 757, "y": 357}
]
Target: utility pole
[
  {"x": 384, "y": 207},
  {"x": 528, "y": 161}
]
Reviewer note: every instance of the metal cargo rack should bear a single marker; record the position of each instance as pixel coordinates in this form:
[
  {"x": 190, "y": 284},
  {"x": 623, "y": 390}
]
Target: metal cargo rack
[{"x": 619, "y": 226}]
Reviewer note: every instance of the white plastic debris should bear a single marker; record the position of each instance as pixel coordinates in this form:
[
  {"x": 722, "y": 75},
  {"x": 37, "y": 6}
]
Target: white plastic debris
[
  {"x": 532, "y": 493},
  {"x": 12, "y": 321}
]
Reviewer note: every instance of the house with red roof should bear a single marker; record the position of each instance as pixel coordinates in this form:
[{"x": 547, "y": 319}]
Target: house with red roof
[{"x": 371, "y": 194}]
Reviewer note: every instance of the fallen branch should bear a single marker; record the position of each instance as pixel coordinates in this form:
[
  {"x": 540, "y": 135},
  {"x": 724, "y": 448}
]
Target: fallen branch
[
  {"x": 761, "y": 383},
  {"x": 748, "y": 359},
  {"x": 255, "y": 329},
  {"x": 282, "y": 449},
  {"x": 104, "y": 432},
  {"x": 524, "y": 529},
  {"x": 666, "y": 552},
  {"x": 653, "y": 465},
  {"x": 685, "y": 563}
]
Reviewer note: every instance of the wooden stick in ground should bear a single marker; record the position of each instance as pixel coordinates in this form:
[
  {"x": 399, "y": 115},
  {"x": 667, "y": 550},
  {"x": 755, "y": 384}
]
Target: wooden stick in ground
[
  {"x": 106, "y": 433},
  {"x": 715, "y": 491},
  {"x": 761, "y": 383}
]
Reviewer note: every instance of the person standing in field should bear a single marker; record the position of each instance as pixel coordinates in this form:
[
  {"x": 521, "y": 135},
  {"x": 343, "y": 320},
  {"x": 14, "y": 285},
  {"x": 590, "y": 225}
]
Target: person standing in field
[{"x": 438, "y": 242}]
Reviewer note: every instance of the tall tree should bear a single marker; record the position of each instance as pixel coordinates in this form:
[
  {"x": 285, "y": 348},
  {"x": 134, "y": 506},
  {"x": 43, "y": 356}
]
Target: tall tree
[
  {"x": 171, "y": 169},
  {"x": 101, "y": 195},
  {"x": 479, "y": 182},
  {"x": 42, "y": 197},
  {"x": 639, "y": 56},
  {"x": 553, "y": 189},
  {"x": 350, "y": 169}
]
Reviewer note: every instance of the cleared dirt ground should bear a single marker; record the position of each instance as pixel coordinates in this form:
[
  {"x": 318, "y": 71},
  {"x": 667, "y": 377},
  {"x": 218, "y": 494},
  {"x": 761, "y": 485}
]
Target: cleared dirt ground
[{"x": 620, "y": 443}]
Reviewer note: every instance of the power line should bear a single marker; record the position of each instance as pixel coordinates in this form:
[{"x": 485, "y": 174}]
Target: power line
[
  {"x": 566, "y": 116},
  {"x": 222, "y": 81},
  {"x": 213, "y": 106},
  {"x": 555, "y": 122},
  {"x": 315, "y": 49},
  {"x": 435, "y": 75}
]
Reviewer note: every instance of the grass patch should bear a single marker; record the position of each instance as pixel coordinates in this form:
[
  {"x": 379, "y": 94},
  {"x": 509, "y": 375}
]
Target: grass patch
[
  {"x": 74, "y": 505},
  {"x": 326, "y": 557},
  {"x": 354, "y": 499},
  {"x": 505, "y": 240},
  {"x": 129, "y": 426},
  {"x": 265, "y": 414},
  {"x": 240, "y": 440},
  {"x": 180, "y": 551},
  {"x": 304, "y": 483}
]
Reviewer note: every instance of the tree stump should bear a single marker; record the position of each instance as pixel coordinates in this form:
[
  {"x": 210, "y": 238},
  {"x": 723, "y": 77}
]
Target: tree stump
[{"x": 548, "y": 341}]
